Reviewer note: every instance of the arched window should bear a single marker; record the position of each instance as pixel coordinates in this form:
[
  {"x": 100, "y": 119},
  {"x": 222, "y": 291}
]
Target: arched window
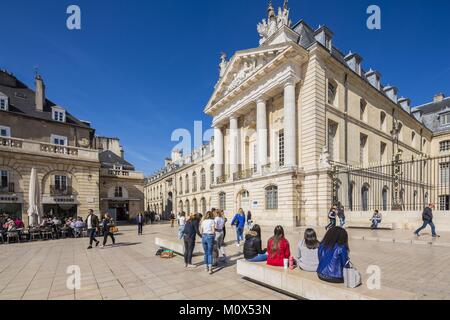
[
  {"x": 332, "y": 89},
  {"x": 362, "y": 110},
  {"x": 383, "y": 121},
  {"x": 222, "y": 201},
  {"x": 194, "y": 182},
  {"x": 195, "y": 206},
  {"x": 400, "y": 131},
  {"x": 365, "y": 198},
  {"x": 351, "y": 188},
  {"x": 188, "y": 206},
  {"x": 181, "y": 186},
  {"x": 384, "y": 196},
  {"x": 186, "y": 189},
  {"x": 180, "y": 205},
  {"x": 203, "y": 205},
  {"x": 211, "y": 174},
  {"x": 202, "y": 179},
  {"x": 426, "y": 199},
  {"x": 271, "y": 197}
]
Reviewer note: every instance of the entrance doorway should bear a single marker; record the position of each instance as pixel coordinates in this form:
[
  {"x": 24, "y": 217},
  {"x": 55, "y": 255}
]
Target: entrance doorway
[
  {"x": 119, "y": 210},
  {"x": 244, "y": 202}
]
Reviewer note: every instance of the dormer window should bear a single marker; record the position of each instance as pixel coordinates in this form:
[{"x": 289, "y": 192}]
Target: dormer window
[
  {"x": 3, "y": 102},
  {"x": 58, "y": 114},
  {"x": 445, "y": 119}
]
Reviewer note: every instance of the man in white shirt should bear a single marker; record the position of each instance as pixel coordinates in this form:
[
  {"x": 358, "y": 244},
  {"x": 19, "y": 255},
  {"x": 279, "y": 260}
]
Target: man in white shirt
[{"x": 92, "y": 224}]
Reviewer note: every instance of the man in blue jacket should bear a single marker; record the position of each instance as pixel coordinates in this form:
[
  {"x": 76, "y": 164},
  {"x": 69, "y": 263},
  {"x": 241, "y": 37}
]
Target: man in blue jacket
[
  {"x": 239, "y": 222},
  {"x": 427, "y": 217}
]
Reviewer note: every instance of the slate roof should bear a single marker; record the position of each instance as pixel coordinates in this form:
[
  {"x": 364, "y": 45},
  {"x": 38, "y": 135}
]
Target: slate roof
[
  {"x": 430, "y": 115},
  {"x": 108, "y": 159},
  {"x": 22, "y": 101}
]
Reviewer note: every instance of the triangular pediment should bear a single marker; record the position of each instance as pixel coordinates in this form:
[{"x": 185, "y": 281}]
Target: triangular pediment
[{"x": 242, "y": 66}]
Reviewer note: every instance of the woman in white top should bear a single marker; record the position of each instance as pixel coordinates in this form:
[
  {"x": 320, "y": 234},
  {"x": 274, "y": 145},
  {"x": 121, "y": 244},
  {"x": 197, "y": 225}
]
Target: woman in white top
[
  {"x": 219, "y": 223},
  {"x": 308, "y": 251},
  {"x": 208, "y": 234},
  {"x": 181, "y": 223}
]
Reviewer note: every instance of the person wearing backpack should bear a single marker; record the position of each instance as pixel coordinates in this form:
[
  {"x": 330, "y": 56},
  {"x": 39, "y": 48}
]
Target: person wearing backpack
[{"x": 427, "y": 217}]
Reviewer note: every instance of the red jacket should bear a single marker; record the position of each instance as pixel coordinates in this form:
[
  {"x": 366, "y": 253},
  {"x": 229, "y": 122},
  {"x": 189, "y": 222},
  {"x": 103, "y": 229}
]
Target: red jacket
[{"x": 276, "y": 259}]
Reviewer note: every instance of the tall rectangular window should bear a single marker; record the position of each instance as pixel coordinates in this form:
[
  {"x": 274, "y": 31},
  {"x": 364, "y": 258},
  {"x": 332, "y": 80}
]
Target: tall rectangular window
[
  {"x": 362, "y": 148},
  {"x": 444, "y": 203},
  {"x": 444, "y": 173},
  {"x": 3, "y": 104},
  {"x": 281, "y": 148},
  {"x": 60, "y": 183},
  {"x": 4, "y": 178},
  {"x": 332, "y": 132}
]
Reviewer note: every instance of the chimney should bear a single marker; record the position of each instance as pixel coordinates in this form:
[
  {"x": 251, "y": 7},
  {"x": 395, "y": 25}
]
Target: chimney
[
  {"x": 122, "y": 152},
  {"x": 405, "y": 103},
  {"x": 167, "y": 162},
  {"x": 439, "y": 97},
  {"x": 40, "y": 93},
  {"x": 391, "y": 92},
  {"x": 374, "y": 78},
  {"x": 324, "y": 36},
  {"x": 354, "y": 62}
]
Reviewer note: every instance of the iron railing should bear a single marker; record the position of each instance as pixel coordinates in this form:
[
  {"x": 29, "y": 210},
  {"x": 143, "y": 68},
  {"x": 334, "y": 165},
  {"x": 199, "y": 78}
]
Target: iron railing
[
  {"x": 407, "y": 185},
  {"x": 8, "y": 188}
]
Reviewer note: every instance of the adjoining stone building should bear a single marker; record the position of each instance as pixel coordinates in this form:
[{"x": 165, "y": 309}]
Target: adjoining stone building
[
  {"x": 35, "y": 132},
  {"x": 283, "y": 112}
]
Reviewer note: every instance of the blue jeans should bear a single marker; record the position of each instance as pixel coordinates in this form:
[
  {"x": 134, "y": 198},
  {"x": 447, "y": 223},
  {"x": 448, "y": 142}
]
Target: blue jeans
[
  {"x": 208, "y": 245},
  {"x": 259, "y": 258},
  {"x": 342, "y": 221},
  {"x": 425, "y": 223},
  {"x": 239, "y": 234}
]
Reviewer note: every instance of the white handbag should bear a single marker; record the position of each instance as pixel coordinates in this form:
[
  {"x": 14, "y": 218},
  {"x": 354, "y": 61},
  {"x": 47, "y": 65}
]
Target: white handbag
[{"x": 352, "y": 278}]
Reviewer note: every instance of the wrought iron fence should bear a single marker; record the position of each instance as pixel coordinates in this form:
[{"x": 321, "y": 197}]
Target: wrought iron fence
[{"x": 400, "y": 185}]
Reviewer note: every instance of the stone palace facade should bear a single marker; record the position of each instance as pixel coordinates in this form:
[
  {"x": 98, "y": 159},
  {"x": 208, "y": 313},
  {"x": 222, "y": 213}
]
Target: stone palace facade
[{"x": 282, "y": 112}]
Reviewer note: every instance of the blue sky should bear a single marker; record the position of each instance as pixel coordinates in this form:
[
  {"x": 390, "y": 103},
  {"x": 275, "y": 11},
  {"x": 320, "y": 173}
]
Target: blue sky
[{"x": 141, "y": 69}]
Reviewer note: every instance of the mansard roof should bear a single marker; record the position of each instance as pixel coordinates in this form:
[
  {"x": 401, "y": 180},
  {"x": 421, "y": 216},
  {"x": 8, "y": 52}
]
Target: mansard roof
[
  {"x": 430, "y": 113},
  {"x": 22, "y": 101},
  {"x": 108, "y": 159}
]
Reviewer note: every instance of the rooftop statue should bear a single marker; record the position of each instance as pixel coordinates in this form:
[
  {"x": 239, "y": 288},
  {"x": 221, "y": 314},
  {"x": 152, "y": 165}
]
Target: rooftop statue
[{"x": 268, "y": 27}]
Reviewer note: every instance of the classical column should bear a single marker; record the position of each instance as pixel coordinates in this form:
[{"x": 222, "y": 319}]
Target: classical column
[
  {"x": 261, "y": 127},
  {"x": 233, "y": 145},
  {"x": 218, "y": 152},
  {"x": 290, "y": 143}
]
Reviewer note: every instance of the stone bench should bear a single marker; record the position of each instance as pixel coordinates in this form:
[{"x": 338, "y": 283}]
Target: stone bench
[
  {"x": 363, "y": 225},
  {"x": 307, "y": 285},
  {"x": 177, "y": 246}
]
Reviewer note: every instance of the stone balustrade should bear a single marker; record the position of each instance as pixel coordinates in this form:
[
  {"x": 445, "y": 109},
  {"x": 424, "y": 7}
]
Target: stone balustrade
[{"x": 47, "y": 149}]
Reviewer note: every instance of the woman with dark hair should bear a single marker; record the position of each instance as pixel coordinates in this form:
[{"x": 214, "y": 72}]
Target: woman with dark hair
[
  {"x": 190, "y": 232},
  {"x": 333, "y": 255},
  {"x": 277, "y": 248},
  {"x": 307, "y": 252},
  {"x": 252, "y": 246}
]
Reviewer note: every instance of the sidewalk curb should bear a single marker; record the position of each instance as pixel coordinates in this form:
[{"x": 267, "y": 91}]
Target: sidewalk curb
[{"x": 403, "y": 241}]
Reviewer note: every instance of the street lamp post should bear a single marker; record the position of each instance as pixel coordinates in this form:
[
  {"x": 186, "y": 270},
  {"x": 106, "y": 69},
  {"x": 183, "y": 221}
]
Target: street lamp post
[{"x": 396, "y": 168}]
